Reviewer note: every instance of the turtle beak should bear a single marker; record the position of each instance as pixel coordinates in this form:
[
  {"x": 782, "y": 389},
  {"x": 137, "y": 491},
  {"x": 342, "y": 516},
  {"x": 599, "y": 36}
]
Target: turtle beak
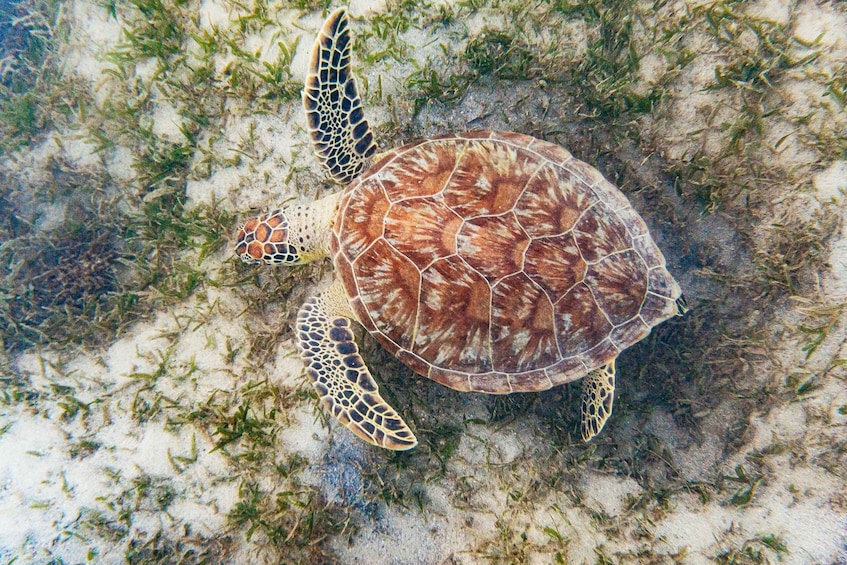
[{"x": 246, "y": 245}]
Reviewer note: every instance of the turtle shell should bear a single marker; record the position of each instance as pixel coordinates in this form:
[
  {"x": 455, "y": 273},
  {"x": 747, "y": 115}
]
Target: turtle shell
[{"x": 497, "y": 262}]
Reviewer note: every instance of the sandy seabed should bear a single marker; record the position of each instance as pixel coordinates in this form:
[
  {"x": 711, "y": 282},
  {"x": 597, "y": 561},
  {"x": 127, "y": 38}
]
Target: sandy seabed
[{"x": 738, "y": 470}]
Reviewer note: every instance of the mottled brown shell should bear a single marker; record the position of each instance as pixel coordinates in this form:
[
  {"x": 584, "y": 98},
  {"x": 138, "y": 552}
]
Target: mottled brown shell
[{"x": 496, "y": 262}]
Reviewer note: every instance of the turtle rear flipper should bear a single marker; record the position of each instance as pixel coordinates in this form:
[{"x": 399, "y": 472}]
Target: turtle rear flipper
[
  {"x": 598, "y": 395},
  {"x": 340, "y": 376},
  {"x": 340, "y": 133}
]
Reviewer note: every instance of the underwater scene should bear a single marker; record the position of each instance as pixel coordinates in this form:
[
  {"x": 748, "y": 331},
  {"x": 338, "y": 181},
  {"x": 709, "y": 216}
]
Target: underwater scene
[{"x": 423, "y": 282}]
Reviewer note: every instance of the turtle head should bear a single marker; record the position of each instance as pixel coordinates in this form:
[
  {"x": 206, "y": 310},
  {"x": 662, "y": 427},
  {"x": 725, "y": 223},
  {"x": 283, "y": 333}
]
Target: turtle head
[
  {"x": 265, "y": 239},
  {"x": 292, "y": 235}
]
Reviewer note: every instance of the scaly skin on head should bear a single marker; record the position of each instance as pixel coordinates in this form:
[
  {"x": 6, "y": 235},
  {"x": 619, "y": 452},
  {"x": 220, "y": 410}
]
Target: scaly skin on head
[{"x": 292, "y": 235}]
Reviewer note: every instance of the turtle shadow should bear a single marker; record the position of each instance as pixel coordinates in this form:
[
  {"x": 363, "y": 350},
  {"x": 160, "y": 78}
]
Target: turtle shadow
[{"x": 684, "y": 394}]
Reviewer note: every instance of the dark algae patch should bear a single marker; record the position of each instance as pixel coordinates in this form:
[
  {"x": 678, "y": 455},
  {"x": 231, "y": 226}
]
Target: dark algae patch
[{"x": 55, "y": 278}]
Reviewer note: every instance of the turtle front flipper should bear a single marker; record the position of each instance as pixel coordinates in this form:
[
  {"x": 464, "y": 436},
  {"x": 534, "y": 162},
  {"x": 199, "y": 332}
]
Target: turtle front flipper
[
  {"x": 340, "y": 133},
  {"x": 340, "y": 376},
  {"x": 598, "y": 394}
]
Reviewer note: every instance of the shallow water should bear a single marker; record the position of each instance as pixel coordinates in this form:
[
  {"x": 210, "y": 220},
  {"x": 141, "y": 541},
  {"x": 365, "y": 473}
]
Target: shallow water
[{"x": 153, "y": 408}]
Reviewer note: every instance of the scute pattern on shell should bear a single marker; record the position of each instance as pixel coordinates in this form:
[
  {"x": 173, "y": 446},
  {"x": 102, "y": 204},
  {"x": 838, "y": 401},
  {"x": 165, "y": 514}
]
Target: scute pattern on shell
[{"x": 497, "y": 262}]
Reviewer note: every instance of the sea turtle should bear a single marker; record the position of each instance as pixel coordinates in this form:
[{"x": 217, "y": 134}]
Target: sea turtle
[{"x": 486, "y": 261}]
